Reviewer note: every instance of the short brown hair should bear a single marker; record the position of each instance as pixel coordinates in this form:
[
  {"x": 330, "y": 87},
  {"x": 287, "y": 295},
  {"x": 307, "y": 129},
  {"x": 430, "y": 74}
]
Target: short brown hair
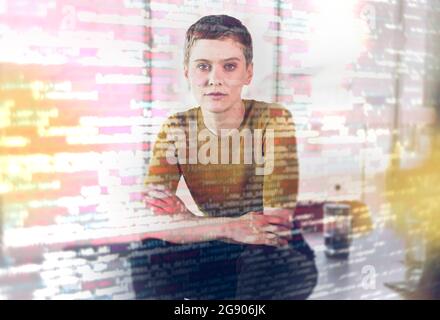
[{"x": 219, "y": 27}]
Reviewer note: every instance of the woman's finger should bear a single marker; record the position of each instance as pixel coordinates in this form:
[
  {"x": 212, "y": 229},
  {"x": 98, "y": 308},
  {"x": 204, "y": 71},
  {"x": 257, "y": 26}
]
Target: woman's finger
[
  {"x": 158, "y": 210},
  {"x": 168, "y": 202},
  {"x": 278, "y": 227},
  {"x": 159, "y": 188},
  {"x": 154, "y": 201},
  {"x": 273, "y": 240},
  {"x": 158, "y": 203},
  {"x": 157, "y": 194},
  {"x": 277, "y": 220}
]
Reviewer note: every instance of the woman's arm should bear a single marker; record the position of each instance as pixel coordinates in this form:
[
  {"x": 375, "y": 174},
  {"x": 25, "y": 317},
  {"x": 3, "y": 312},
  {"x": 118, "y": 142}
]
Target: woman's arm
[{"x": 269, "y": 228}]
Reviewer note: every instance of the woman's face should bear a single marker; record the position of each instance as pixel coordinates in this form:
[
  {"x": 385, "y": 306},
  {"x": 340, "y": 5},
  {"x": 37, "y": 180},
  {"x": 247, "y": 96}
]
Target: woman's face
[{"x": 217, "y": 72}]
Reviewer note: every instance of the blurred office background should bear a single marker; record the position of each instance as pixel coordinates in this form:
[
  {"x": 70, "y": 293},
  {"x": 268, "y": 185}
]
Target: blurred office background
[{"x": 85, "y": 86}]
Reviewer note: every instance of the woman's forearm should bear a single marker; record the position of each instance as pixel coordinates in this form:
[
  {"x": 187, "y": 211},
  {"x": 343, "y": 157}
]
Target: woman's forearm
[
  {"x": 181, "y": 225},
  {"x": 195, "y": 229}
]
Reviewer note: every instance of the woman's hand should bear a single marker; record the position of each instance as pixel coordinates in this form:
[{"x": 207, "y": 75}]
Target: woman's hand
[
  {"x": 271, "y": 228},
  {"x": 163, "y": 202}
]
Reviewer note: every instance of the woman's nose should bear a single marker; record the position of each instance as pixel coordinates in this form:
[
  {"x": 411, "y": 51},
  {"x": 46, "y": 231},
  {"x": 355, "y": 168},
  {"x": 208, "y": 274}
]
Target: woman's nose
[{"x": 215, "y": 76}]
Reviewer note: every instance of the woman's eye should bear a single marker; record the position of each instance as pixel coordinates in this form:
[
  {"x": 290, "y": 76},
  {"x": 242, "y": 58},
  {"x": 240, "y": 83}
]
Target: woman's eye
[
  {"x": 203, "y": 66},
  {"x": 230, "y": 66}
]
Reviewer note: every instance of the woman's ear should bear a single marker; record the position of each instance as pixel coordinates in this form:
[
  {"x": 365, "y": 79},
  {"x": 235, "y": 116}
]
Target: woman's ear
[
  {"x": 185, "y": 71},
  {"x": 249, "y": 73}
]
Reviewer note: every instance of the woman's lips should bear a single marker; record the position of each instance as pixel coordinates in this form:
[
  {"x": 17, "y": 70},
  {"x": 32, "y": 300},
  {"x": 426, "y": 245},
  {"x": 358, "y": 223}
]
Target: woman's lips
[{"x": 216, "y": 95}]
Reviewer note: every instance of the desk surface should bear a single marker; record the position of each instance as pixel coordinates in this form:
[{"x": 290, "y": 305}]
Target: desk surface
[{"x": 374, "y": 260}]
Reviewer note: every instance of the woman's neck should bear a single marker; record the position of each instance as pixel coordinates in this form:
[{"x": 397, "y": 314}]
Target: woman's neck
[{"x": 227, "y": 120}]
